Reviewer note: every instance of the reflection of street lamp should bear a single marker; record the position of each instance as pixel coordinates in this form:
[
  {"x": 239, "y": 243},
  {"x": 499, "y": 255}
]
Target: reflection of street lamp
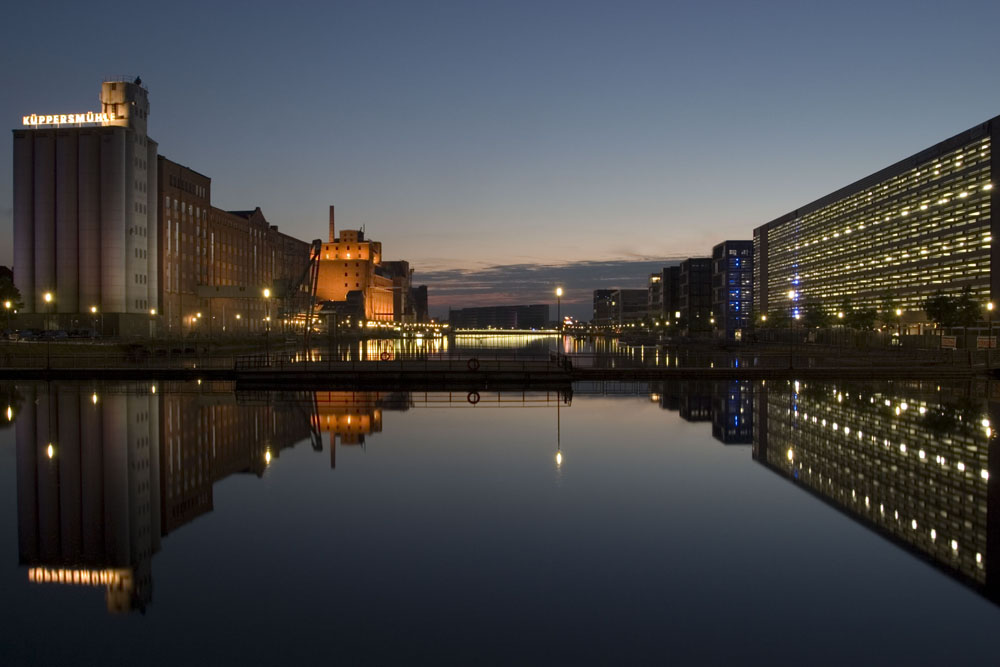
[{"x": 559, "y": 456}]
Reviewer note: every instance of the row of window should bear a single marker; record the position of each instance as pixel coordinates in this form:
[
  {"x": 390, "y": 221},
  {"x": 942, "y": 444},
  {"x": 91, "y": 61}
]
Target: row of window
[{"x": 917, "y": 232}]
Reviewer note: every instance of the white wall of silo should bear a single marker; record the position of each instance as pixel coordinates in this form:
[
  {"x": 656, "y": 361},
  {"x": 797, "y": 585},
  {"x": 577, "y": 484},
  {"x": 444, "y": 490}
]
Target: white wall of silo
[
  {"x": 89, "y": 248},
  {"x": 67, "y": 231},
  {"x": 113, "y": 221},
  {"x": 44, "y": 217},
  {"x": 135, "y": 220},
  {"x": 153, "y": 230},
  {"x": 24, "y": 232}
]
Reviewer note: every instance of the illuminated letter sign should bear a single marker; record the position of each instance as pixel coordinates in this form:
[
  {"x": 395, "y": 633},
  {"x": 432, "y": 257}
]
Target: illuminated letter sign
[{"x": 88, "y": 118}]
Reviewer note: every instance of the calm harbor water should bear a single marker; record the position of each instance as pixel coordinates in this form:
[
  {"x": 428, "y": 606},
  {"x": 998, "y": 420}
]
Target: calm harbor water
[{"x": 680, "y": 522}]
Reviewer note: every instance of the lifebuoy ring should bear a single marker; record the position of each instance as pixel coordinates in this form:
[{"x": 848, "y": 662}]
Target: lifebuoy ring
[
  {"x": 385, "y": 356},
  {"x": 473, "y": 364},
  {"x": 473, "y": 397}
]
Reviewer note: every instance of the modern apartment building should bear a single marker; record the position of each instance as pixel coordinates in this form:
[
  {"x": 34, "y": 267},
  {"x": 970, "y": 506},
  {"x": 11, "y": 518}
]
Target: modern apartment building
[
  {"x": 732, "y": 288},
  {"x": 603, "y": 308},
  {"x": 695, "y": 295}
]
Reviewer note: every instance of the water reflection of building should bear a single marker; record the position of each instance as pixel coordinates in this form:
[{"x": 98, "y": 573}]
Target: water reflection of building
[
  {"x": 727, "y": 404},
  {"x": 732, "y": 412},
  {"x": 102, "y": 476},
  {"x": 903, "y": 462},
  {"x": 88, "y": 488},
  {"x": 351, "y": 415},
  {"x": 692, "y": 399},
  {"x": 209, "y": 436}
]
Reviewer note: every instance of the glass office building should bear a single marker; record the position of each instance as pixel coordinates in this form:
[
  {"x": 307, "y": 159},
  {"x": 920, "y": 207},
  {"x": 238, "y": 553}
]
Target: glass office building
[{"x": 920, "y": 226}]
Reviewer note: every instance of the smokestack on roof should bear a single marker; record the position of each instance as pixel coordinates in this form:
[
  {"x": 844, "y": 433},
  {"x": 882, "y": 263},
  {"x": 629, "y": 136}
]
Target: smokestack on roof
[{"x": 333, "y": 233}]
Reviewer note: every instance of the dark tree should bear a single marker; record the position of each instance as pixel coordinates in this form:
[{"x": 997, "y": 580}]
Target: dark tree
[
  {"x": 967, "y": 311},
  {"x": 942, "y": 309},
  {"x": 8, "y": 292},
  {"x": 816, "y": 317},
  {"x": 776, "y": 319},
  {"x": 861, "y": 318}
]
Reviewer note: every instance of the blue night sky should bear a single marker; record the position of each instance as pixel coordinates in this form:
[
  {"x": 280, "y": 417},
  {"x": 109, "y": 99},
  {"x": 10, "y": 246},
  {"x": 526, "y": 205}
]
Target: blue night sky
[{"x": 505, "y": 135}]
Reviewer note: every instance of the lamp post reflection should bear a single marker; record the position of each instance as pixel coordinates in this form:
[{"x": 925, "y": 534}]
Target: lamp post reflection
[{"x": 559, "y": 456}]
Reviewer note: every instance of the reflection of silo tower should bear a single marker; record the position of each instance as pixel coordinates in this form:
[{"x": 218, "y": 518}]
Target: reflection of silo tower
[{"x": 88, "y": 491}]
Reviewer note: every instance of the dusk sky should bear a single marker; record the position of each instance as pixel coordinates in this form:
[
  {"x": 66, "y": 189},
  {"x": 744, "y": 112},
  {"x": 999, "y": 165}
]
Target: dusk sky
[{"x": 544, "y": 141}]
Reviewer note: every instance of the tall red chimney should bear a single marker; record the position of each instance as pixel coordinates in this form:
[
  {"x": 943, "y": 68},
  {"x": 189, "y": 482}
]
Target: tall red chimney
[{"x": 333, "y": 233}]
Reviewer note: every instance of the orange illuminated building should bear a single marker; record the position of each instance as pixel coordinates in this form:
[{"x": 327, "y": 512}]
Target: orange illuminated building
[{"x": 351, "y": 271}]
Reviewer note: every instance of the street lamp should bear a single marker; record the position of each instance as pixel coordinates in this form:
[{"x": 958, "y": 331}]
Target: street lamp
[
  {"x": 791, "y": 335},
  {"x": 93, "y": 311},
  {"x": 989, "y": 339},
  {"x": 48, "y": 298},
  {"x": 267, "y": 323},
  {"x": 899, "y": 324},
  {"x": 7, "y": 306},
  {"x": 559, "y": 293}
]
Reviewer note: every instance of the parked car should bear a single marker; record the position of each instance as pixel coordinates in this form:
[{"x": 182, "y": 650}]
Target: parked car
[
  {"x": 27, "y": 334},
  {"x": 54, "y": 334},
  {"x": 83, "y": 333}
]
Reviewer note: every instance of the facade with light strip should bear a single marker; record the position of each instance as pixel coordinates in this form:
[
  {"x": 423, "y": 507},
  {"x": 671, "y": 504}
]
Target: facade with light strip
[{"x": 890, "y": 240}]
